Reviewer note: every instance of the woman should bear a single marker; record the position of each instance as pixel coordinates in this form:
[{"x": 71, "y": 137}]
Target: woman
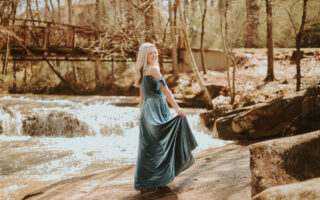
[{"x": 165, "y": 143}]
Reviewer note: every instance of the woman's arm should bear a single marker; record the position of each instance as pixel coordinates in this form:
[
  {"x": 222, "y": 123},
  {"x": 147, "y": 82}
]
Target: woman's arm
[
  {"x": 141, "y": 98},
  {"x": 155, "y": 73},
  {"x": 167, "y": 92}
]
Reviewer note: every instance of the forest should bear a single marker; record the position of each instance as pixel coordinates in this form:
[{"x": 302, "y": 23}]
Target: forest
[
  {"x": 246, "y": 72},
  {"x": 89, "y": 47}
]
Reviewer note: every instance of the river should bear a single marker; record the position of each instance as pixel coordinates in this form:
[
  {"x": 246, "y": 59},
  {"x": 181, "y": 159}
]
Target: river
[{"x": 46, "y": 138}]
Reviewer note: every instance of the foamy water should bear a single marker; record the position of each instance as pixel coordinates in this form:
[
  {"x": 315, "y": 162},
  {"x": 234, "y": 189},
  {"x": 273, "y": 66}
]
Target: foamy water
[{"x": 77, "y": 135}]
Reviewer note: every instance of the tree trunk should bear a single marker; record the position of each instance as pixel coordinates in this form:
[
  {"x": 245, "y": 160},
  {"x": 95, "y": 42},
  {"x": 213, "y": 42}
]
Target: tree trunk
[
  {"x": 59, "y": 11},
  {"x": 97, "y": 65},
  {"x": 4, "y": 69},
  {"x": 298, "y": 44},
  {"x": 52, "y": 12},
  {"x": 75, "y": 73},
  {"x": 115, "y": 8},
  {"x": 38, "y": 11},
  {"x": 174, "y": 44},
  {"x": 186, "y": 9},
  {"x": 14, "y": 76},
  {"x": 56, "y": 73},
  {"x": 147, "y": 10},
  {"x": 204, "y": 67},
  {"x": 191, "y": 58},
  {"x": 223, "y": 14},
  {"x": 230, "y": 56},
  {"x": 47, "y": 10},
  {"x": 25, "y": 72},
  {"x": 270, "y": 74},
  {"x": 30, "y": 10},
  {"x": 212, "y": 3},
  {"x": 175, "y": 25},
  {"x": 98, "y": 13},
  {"x": 252, "y": 23},
  {"x": 148, "y": 17},
  {"x": 12, "y": 14},
  {"x": 69, "y": 11},
  {"x": 112, "y": 69}
]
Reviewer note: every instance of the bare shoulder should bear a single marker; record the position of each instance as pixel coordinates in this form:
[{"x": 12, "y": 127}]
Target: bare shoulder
[{"x": 155, "y": 72}]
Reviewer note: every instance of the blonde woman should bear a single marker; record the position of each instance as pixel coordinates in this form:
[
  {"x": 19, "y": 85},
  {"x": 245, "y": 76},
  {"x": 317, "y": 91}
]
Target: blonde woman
[{"x": 165, "y": 142}]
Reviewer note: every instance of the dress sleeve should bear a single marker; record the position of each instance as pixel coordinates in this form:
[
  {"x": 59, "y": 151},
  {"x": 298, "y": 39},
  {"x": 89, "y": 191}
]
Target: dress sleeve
[{"x": 163, "y": 82}]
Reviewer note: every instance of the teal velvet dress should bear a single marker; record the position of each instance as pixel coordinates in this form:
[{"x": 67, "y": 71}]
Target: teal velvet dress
[{"x": 165, "y": 142}]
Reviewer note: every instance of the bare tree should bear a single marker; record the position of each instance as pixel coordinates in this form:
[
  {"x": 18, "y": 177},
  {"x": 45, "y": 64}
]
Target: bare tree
[
  {"x": 204, "y": 67},
  {"x": 174, "y": 44},
  {"x": 59, "y": 10},
  {"x": 37, "y": 9},
  {"x": 97, "y": 64},
  {"x": 212, "y": 3},
  {"x": 146, "y": 8},
  {"x": 98, "y": 13},
  {"x": 270, "y": 74},
  {"x": 9, "y": 16},
  {"x": 298, "y": 44},
  {"x": 224, "y": 32},
  {"x": 252, "y": 23},
  {"x": 229, "y": 43},
  {"x": 192, "y": 61},
  {"x": 52, "y": 11},
  {"x": 69, "y": 11}
]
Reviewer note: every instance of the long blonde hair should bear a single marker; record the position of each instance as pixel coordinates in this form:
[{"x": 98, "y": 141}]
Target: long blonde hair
[{"x": 142, "y": 61}]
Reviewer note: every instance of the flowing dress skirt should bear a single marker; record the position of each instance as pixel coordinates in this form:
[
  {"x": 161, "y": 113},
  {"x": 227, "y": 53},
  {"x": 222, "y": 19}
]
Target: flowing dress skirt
[{"x": 165, "y": 142}]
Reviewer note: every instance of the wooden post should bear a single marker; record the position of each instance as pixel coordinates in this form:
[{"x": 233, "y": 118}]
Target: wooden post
[
  {"x": 4, "y": 70},
  {"x": 191, "y": 58},
  {"x": 48, "y": 38},
  {"x": 112, "y": 68},
  {"x": 14, "y": 76},
  {"x": 25, "y": 73},
  {"x": 97, "y": 65},
  {"x": 73, "y": 40},
  {"x": 25, "y": 35}
]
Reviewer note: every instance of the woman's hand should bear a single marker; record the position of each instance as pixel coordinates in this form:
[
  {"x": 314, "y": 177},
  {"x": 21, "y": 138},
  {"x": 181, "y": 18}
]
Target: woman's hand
[{"x": 180, "y": 112}]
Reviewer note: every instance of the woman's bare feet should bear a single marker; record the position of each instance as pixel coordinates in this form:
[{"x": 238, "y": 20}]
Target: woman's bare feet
[{"x": 141, "y": 190}]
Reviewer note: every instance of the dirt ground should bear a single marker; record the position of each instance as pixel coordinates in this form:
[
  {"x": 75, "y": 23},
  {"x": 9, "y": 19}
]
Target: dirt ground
[{"x": 218, "y": 173}]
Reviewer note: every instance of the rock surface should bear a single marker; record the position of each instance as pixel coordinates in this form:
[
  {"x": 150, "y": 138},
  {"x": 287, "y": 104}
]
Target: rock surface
[
  {"x": 265, "y": 120},
  {"x": 219, "y": 173},
  {"x": 309, "y": 189},
  {"x": 284, "y": 161}
]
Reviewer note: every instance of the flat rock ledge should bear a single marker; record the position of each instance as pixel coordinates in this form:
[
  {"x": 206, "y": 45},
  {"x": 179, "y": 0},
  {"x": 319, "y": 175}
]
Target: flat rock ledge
[
  {"x": 218, "y": 173},
  {"x": 285, "y": 161}
]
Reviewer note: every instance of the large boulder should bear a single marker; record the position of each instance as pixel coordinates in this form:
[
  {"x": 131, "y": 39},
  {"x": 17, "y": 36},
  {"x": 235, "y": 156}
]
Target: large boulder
[
  {"x": 283, "y": 161},
  {"x": 54, "y": 123},
  {"x": 309, "y": 189},
  {"x": 197, "y": 99},
  {"x": 265, "y": 120}
]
